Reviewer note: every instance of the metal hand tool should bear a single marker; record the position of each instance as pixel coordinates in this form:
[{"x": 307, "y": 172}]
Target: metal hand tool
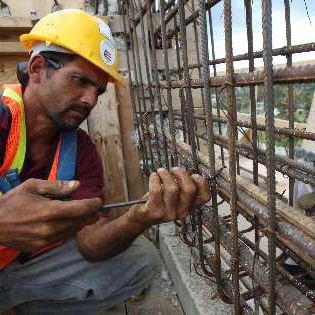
[{"x": 122, "y": 204}]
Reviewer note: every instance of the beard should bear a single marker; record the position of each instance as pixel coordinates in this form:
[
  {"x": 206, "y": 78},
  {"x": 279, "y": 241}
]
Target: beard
[{"x": 65, "y": 122}]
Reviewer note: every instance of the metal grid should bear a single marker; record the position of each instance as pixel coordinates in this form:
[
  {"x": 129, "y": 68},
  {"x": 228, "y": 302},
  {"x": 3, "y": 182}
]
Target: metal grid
[{"x": 196, "y": 139}]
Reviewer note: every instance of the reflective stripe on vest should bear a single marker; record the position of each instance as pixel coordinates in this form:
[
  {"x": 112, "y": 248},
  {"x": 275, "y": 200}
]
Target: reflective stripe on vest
[
  {"x": 63, "y": 167},
  {"x": 16, "y": 141}
]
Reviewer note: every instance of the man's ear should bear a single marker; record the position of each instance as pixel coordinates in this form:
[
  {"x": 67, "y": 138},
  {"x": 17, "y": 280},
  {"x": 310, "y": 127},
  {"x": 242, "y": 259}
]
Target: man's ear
[{"x": 36, "y": 68}]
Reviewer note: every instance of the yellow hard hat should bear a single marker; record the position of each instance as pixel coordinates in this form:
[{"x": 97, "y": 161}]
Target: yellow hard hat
[{"x": 81, "y": 33}]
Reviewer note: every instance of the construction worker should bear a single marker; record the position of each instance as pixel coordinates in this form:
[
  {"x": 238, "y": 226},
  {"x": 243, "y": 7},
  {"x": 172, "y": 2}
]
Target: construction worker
[{"x": 57, "y": 253}]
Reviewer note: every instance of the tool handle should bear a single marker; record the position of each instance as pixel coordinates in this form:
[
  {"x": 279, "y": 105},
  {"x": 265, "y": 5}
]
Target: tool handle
[{"x": 122, "y": 204}]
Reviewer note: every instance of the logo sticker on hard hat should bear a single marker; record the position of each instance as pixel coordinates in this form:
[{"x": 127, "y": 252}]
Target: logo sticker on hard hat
[
  {"x": 105, "y": 31},
  {"x": 107, "y": 51}
]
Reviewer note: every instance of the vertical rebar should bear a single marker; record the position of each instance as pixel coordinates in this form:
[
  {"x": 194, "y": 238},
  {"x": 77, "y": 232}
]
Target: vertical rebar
[
  {"x": 215, "y": 74},
  {"x": 133, "y": 102},
  {"x": 180, "y": 76},
  {"x": 183, "y": 116},
  {"x": 270, "y": 163},
  {"x": 189, "y": 101},
  {"x": 210, "y": 135},
  {"x": 153, "y": 116},
  {"x": 199, "y": 70},
  {"x": 168, "y": 82},
  {"x": 145, "y": 165},
  {"x": 232, "y": 152},
  {"x": 144, "y": 106},
  {"x": 156, "y": 81},
  {"x": 251, "y": 68},
  {"x": 290, "y": 95}
]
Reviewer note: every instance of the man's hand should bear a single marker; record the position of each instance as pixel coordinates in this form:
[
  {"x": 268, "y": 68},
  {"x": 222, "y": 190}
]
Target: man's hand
[
  {"x": 172, "y": 194},
  {"x": 31, "y": 217}
]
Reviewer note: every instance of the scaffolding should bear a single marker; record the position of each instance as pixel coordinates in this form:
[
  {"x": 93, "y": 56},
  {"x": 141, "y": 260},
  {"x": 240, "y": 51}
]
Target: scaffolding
[{"x": 174, "y": 84}]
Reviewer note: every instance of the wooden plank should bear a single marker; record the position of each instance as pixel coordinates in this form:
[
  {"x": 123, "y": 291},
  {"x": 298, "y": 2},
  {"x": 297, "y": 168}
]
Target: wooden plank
[
  {"x": 25, "y": 23},
  {"x": 39, "y": 8},
  {"x": 104, "y": 129},
  {"x": 132, "y": 163},
  {"x": 12, "y": 35},
  {"x": 12, "y": 48},
  {"x": 10, "y": 22}
]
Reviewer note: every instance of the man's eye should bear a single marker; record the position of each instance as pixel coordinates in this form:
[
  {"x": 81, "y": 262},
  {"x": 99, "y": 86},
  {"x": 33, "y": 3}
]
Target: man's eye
[{"x": 81, "y": 81}]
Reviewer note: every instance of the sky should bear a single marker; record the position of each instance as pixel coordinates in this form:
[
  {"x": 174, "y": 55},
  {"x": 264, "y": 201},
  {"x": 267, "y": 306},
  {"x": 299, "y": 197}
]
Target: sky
[{"x": 302, "y": 30}]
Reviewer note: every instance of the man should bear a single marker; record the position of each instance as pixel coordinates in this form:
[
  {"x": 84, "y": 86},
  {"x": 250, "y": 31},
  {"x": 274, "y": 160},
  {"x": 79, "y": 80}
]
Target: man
[{"x": 58, "y": 254}]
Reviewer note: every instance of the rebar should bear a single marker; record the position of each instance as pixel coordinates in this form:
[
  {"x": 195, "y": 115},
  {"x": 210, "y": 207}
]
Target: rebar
[
  {"x": 200, "y": 133},
  {"x": 210, "y": 135}
]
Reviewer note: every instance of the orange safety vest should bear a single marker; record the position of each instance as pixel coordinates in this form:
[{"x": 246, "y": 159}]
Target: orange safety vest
[{"x": 63, "y": 167}]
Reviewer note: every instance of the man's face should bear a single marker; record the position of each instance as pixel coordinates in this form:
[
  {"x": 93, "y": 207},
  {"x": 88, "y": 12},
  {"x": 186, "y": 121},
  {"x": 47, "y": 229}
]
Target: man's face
[{"x": 67, "y": 95}]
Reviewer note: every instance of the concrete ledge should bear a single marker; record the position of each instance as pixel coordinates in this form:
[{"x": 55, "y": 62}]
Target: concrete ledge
[{"x": 197, "y": 294}]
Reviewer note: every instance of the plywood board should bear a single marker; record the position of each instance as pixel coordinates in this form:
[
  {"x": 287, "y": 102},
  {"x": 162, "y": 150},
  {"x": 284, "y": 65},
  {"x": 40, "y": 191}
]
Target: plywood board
[
  {"x": 12, "y": 48},
  {"x": 126, "y": 118},
  {"x": 10, "y": 22},
  {"x": 104, "y": 129}
]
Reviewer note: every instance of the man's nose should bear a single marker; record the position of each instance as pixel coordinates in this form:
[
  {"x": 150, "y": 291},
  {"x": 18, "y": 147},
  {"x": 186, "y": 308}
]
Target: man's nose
[{"x": 89, "y": 96}]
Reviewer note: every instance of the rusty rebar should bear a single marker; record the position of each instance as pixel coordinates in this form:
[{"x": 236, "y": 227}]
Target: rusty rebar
[
  {"x": 189, "y": 102},
  {"x": 157, "y": 83},
  {"x": 153, "y": 115},
  {"x": 231, "y": 108},
  {"x": 215, "y": 74},
  {"x": 167, "y": 77},
  {"x": 143, "y": 108},
  {"x": 296, "y": 133},
  {"x": 287, "y": 75},
  {"x": 133, "y": 102},
  {"x": 282, "y": 51},
  {"x": 271, "y": 181},
  {"x": 284, "y": 226},
  {"x": 210, "y": 136}
]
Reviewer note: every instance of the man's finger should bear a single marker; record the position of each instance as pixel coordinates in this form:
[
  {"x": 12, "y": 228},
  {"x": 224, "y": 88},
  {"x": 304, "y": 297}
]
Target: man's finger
[
  {"x": 51, "y": 189},
  {"x": 203, "y": 190},
  {"x": 87, "y": 209},
  {"x": 155, "y": 189},
  {"x": 187, "y": 191},
  {"x": 170, "y": 192}
]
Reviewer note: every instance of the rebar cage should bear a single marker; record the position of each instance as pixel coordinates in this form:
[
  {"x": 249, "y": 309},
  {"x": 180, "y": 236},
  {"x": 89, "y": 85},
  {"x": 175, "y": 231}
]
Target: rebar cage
[{"x": 187, "y": 113}]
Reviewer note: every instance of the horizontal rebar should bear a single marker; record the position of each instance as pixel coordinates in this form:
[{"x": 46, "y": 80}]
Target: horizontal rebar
[
  {"x": 297, "y": 133},
  {"x": 287, "y": 295},
  {"x": 300, "y": 74},
  {"x": 282, "y": 51},
  {"x": 296, "y": 239}
]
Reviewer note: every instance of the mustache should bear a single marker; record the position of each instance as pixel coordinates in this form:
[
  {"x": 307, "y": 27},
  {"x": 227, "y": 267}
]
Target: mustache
[{"x": 81, "y": 107}]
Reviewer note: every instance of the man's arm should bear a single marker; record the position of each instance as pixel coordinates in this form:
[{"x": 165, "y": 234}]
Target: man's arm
[{"x": 172, "y": 194}]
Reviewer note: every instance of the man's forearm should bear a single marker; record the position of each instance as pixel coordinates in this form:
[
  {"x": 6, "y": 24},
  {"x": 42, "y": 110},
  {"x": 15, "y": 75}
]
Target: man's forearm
[{"x": 106, "y": 239}]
